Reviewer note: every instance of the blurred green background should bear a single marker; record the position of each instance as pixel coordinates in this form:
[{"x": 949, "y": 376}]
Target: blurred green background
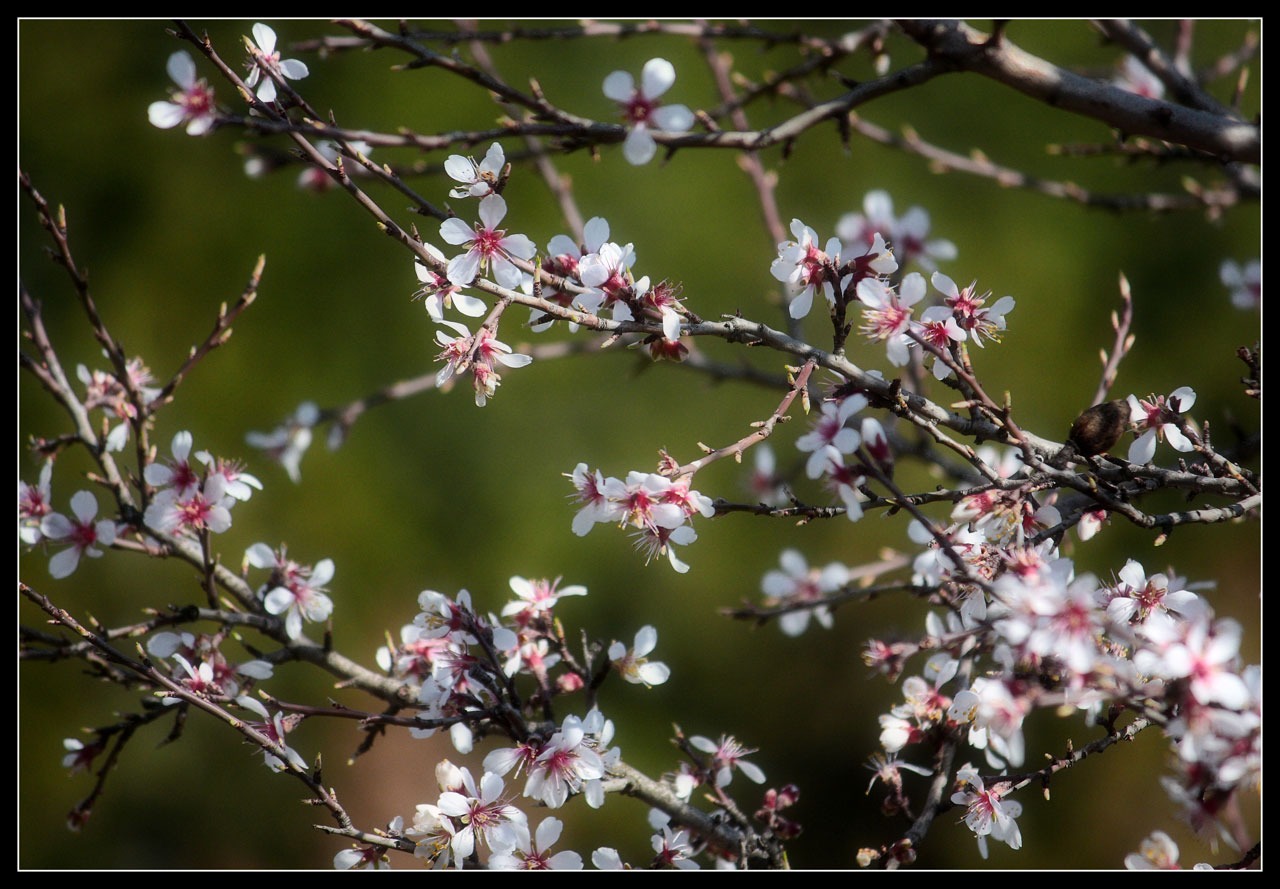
[{"x": 433, "y": 493}]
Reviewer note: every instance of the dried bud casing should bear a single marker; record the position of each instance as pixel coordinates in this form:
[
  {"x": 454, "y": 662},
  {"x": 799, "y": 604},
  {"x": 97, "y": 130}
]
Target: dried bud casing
[{"x": 1098, "y": 429}]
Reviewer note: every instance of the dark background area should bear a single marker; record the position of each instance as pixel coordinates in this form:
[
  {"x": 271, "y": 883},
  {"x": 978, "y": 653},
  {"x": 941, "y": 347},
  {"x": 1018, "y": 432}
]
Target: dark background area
[{"x": 433, "y": 493}]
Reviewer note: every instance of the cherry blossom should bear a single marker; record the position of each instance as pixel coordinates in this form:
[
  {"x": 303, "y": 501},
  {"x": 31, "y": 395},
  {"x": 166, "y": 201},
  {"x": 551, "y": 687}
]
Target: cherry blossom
[
  {"x": 564, "y": 765},
  {"x": 642, "y": 109},
  {"x": 82, "y": 533},
  {"x": 661, "y": 541},
  {"x": 103, "y": 390},
  {"x": 829, "y": 429},
  {"x": 265, "y": 54},
  {"x": 970, "y": 310},
  {"x": 294, "y": 590},
  {"x": 1157, "y": 852},
  {"x": 1141, "y": 601},
  {"x": 1244, "y": 282},
  {"x": 432, "y": 832},
  {"x": 797, "y": 584},
  {"x": 938, "y": 328},
  {"x": 632, "y": 664},
  {"x": 536, "y": 598},
  {"x": 440, "y": 293},
  {"x": 532, "y": 853},
  {"x": 362, "y": 858},
  {"x": 908, "y": 234},
  {"x": 987, "y": 812},
  {"x": 478, "y": 179},
  {"x": 203, "y": 508},
  {"x": 191, "y": 103},
  {"x": 177, "y": 473},
  {"x": 34, "y": 503},
  {"x": 607, "y": 272},
  {"x": 674, "y": 850},
  {"x": 274, "y": 727},
  {"x": 564, "y": 258},
  {"x": 80, "y": 756},
  {"x": 287, "y": 443},
  {"x": 484, "y": 816},
  {"x": 1159, "y": 417},
  {"x": 805, "y": 269},
  {"x": 596, "y": 505},
  {"x": 488, "y": 247},
  {"x": 886, "y": 315},
  {"x": 726, "y": 755},
  {"x": 479, "y": 354}
]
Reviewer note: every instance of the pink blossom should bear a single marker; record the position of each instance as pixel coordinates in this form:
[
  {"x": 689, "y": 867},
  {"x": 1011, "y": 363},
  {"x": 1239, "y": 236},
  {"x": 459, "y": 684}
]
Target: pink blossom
[
  {"x": 484, "y": 815},
  {"x": 479, "y": 354},
  {"x": 642, "y": 110},
  {"x": 488, "y": 247},
  {"x": 265, "y": 55},
  {"x": 806, "y": 269},
  {"x": 478, "y": 179},
  {"x": 886, "y": 315},
  {"x": 1160, "y": 417},
  {"x": 798, "y": 584},
  {"x": 204, "y": 508},
  {"x": 971, "y": 311},
  {"x": 908, "y": 234},
  {"x": 287, "y": 443},
  {"x": 34, "y": 503},
  {"x": 294, "y": 590},
  {"x": 82, "y": 533},
  {"x": 726, "y": 755},
  {"x": 441, "y": 293},
  {"x": 632, "y": 663},
  {"x": 987, "y": 812},
  {"x": 532, "y": 853},
  {"x": 829, "y": 429},
  {"x": 191, "y": 103}
]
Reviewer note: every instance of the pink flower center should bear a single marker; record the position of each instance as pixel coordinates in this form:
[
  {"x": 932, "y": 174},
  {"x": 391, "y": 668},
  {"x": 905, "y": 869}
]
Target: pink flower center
[{"x": 639, "y": 109}]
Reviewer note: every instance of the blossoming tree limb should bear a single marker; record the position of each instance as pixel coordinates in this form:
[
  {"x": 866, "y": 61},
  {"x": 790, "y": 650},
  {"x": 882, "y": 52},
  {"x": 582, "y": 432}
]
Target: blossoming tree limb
[{"x": 886, "y": 361}]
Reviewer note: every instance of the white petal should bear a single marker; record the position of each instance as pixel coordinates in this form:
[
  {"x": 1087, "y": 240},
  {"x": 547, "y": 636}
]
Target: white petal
[
  {"x": 492, "y": 209},
  {"x": 265, "y": 38},
  {"x": 165, "y": 115},
  {"x": 619, "y": 86},
  {"x": 676, "y": 118},
  {"x": 64, "y": 563},
  {"x": 455, "y": 231},
  {"x": 294, "y": 69},
  {"x": 639, "y": 148},
  {"x": 182, "y": 69},
  {"x": 459, "y": 168},
  {"x": 657, "y": 77}
]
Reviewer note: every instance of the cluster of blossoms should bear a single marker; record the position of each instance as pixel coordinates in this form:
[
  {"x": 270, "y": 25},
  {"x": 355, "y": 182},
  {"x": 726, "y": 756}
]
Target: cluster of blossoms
[
  {"x": 462, "y": 662},
  {"x": 1057, "y": 639},
  {"x": 908, "y": 234},
  {"x": 658, "y": 507},
  {"x": 191, "y": 499},
  {"x": 831, "y": 440},
  {"x": 105, "y": 391},
  {"x": 202, "y": 668}
]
